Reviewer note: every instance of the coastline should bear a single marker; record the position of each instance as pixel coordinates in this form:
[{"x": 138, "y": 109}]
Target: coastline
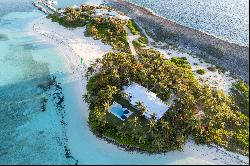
[
  {"x": 210, "y": 34},
  {"x": 230, "y": 56},
  {"x": 212, "y": 154},
  {"x": 75, "y": 47}
]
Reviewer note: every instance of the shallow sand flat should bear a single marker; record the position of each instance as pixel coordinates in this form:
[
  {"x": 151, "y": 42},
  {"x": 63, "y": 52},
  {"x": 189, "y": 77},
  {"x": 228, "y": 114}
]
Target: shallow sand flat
[
  {"x": 83, "y": 145},
  {"x": 71, "y": 40}
]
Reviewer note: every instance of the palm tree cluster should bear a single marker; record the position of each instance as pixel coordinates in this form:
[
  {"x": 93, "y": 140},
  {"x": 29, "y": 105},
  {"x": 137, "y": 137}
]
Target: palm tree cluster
[
  {"x": 221, "y": 124},
  {"x": 108, "y": 29}
]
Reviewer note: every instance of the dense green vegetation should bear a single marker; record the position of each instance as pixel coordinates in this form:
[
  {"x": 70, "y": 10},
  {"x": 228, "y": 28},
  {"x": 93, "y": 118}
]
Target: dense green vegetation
[
  {"x": 135, "y": 30},
  {"x": 181, "y": 62},
  {"x": 109, "y": 30},
  {"x": 72, "y": 17},
  {"x": 133, "y": 27},
  {"x": 207, "y": 115},
  {"x": 201, "y": 71},
  {"x": 240, "y": 94}
]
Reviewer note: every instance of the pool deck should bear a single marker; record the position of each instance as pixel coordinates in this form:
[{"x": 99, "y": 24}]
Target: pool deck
[{"x": 118, "y": 105}]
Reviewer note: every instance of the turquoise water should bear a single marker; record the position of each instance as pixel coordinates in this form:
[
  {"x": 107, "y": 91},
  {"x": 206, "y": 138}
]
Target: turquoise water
[
  {"x": 27, "y": 136},
  {"x": 226, "y": 19},
  {"x": 118, "y": 111}
]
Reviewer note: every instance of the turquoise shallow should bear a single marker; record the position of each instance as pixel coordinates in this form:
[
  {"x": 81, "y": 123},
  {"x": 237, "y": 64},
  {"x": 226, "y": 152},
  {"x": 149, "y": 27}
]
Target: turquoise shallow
[{"x": 25, "y": 62}]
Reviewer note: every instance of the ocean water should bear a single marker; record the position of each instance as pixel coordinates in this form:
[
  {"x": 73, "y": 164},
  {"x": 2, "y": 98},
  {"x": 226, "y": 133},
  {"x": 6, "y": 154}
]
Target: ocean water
[
  {"x": 31, "y": 129},
  {"x": 25, "y": 63},
  {"x": 226, "y": 19},
  {"x": 49, "y": 126}
]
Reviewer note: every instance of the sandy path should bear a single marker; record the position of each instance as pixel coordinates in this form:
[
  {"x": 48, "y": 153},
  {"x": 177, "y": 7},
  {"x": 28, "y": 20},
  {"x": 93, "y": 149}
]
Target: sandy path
[{"x": 131, "y": 38}]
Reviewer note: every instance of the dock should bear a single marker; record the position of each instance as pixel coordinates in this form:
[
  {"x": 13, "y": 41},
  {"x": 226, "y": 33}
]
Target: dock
[{"x": 46, "y": 6}]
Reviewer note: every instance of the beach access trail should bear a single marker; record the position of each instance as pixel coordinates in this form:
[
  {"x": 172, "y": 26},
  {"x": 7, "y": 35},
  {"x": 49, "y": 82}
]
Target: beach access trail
[{"x": 131, "y": 38}]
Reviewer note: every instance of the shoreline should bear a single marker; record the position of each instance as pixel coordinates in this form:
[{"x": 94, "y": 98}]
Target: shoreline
[
  {"x": 48, "y": 27},
  {"x": 190, "y": 148},
  {"x": 230, "y": 56},
  {"x": 200, "y": 30}
]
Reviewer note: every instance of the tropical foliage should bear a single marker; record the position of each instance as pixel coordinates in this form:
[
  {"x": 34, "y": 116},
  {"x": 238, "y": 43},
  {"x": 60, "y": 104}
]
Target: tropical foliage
[
  {"x": 205, "y": 114},
  {"x": 109, "y": 29},
  {"x": 135, "y": 30},
  {"x": 240, "y": 94},
  {"x": 201, "y": 71},
  {"x": 181, "y": 62}
]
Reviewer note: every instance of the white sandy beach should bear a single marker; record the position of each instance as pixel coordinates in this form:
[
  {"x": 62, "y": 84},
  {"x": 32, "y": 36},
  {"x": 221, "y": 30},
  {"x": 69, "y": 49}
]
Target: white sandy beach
[
  {"x": 216, "y": 79},
  {"x": 84, "y": 146}
]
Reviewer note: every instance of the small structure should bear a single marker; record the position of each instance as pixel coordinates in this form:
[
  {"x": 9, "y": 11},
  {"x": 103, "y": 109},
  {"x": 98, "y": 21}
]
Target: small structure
[
  {"x": 46, "y": 6},
  {"x": 106, "y": 13},
  {"x": 153, "y": 104},
  {"x": 51, "y": 2},
  {"x": 61, "y": 11},
  {"x": 120, "y": 112}
]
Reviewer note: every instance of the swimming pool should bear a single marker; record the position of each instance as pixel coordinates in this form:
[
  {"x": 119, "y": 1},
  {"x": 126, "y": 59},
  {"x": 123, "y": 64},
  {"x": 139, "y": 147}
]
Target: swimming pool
[{"x": 117, "y": 110}]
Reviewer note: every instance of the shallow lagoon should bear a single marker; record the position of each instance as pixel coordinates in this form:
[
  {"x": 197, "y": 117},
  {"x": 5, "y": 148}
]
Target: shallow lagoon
[{"x": 26, "y": 62}]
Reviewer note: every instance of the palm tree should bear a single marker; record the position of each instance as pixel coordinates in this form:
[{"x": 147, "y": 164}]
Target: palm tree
[
  {"x": 106, "y": 106},
  {"x": 158, "y": 142},
  {"x": 142, "y": 138},
  {"x": 91, "y": 69},
  {"x": 141, "y": 107},
  {"x": 152, "y": 126},
  {"x": 101, "y": 116},
  {"x": 165, "y": 128},
  {"x": 153, "y": 116},
  {"x": 164, "y": 124},
  {"x": 122, "y": 130},
  {"x": 135, "y": 122}
]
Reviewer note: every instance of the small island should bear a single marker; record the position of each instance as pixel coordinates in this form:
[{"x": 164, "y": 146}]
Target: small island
[{"x": 143, "y": 101}]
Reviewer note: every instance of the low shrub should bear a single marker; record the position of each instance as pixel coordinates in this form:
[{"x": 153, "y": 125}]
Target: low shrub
[{"x": 201, "y": 71}]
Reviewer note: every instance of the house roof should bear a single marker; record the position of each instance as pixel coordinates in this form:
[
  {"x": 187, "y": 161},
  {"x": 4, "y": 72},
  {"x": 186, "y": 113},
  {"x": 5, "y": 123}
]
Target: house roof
[{"x": 150, "y": 100}]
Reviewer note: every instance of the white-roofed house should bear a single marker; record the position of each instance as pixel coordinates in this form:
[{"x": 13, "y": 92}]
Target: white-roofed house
[
  {"x": 106, "y": 13},
  {"x": 153, "y": 104}
]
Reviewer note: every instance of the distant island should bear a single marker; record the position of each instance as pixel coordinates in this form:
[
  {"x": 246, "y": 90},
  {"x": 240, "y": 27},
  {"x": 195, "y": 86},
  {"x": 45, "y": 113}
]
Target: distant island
[{"x": 143, "y": 101}]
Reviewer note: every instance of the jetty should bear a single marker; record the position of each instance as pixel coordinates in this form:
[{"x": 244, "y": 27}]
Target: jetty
[{"x": 46, "y": 6}]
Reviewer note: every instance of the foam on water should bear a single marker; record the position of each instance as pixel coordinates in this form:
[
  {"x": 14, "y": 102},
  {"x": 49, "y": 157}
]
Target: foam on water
[{"x": 226, "y": 19}]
